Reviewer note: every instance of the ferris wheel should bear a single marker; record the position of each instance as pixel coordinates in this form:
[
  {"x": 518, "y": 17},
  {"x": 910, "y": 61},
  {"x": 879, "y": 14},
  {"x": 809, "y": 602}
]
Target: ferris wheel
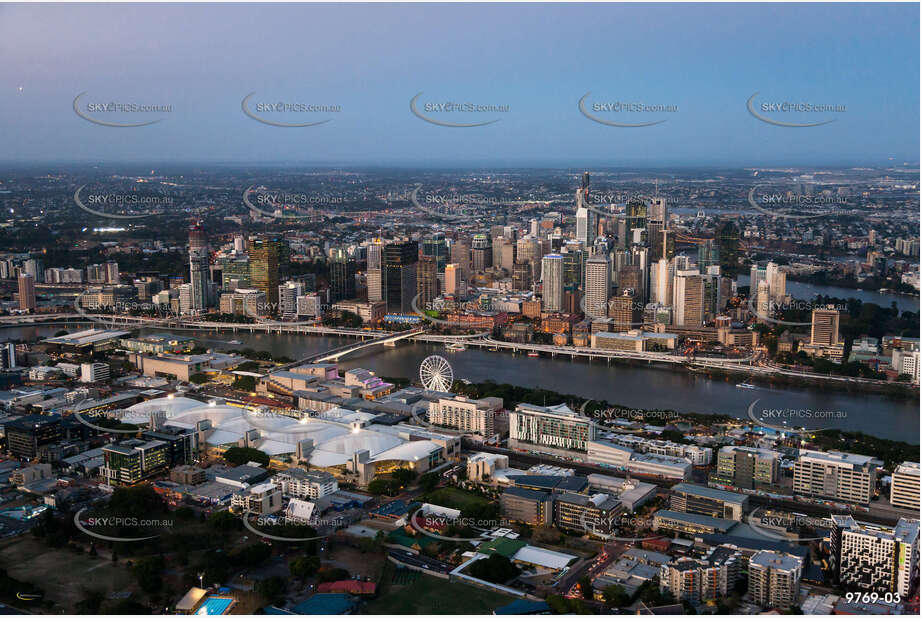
[{"x": 436, "y": 374}]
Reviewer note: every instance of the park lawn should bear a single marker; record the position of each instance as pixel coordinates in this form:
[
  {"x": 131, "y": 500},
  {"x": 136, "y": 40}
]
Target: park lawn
[
  {"x": 455, "y": 498},
  {"x": 61, "y": 574},
  {"x": 423, "y": 594}
]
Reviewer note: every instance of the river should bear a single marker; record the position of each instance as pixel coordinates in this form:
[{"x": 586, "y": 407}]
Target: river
[
  {"x": 647, "y": 386},
  {"x": 806, "y": 291}
]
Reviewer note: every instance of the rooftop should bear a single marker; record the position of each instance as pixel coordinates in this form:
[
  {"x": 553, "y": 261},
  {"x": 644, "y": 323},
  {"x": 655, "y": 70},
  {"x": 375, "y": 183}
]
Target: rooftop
[
  {"x": 709, "y": 492},
  {"x": 774, "y": 560},
  {"x": 723, "y": 525}
]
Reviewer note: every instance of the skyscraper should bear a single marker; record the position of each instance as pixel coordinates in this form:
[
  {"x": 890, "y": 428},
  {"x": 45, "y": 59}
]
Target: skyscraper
[
  {"x": 552, "y": 280},
  {"x": 427, "y": 279},
  {"x": 198, "y": 276},
  {"x": 521, "y": 276},
  {"x": 824, "y": 327},
  {"x": 198, "y": 239},
  {"x": 436, "y": 247},
  {"x": 729, "y": 248},
  {"x": 482, "y": 253},
  {"x": 263, "y": 266},
  {"x": 287, "y": 297},
  {"x": 688, "y": 298},
  {"x": 460, "y": 254},
  {"x": 399, "y": 276},
  {"x": 637, "y": 214},
  {"x": 777, "y": 280},
  {"x": 26, "y": 292},
  {"x": 341, "y": 276},
  {"x": 597, "y": 285},
  {"x": 34, "y": 267},
  {"x": 708, "y": 254},
  {"x": 454, "y": 277}
]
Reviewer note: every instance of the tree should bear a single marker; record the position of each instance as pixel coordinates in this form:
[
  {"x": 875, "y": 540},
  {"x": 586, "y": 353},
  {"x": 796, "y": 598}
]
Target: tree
[
  {"x": 304, "y": 566},
  {"x": 331, "y": 574},
  {"x": 616, "y": 595},
  {"x": 239, "y": 455},
  {"x": 148, "y": 572},
  {"x": 585, "y": 587},
  {"x": 271, "y": 588},
  {"x": 244, "y": 383},
  {"x": 428, "y": 481},
  {"x": 198, "y": 378},
  {"x": 496, "y": 569}
]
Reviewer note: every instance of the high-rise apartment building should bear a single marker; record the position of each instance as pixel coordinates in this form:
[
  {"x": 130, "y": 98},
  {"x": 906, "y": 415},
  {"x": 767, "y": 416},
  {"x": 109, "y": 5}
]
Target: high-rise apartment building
[
  {"x": 427, "y": 280},
  {"x": 774, "y": 578},
  {"x": 287, "y": 298},
  {"x": 26, "y": 292},
  {"x": 700, "y": 580},
  {"x": 552, "y": 282},
  {"x": 597, "y": 285},
  {"x": 688, "y": 298},
  {"x": 873, "y": 558},
  {"x": 199, "y": 277}
]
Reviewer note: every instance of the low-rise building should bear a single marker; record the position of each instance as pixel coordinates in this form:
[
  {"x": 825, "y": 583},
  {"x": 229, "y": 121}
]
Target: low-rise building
[
  {"x": 598, "y": 514},
  {"x": 703, "y": 500},
  {"x": 534, "y": 508},
  {"x": 690, "y": 523},
  {"x": 306, "y": 484},
  {"x": 262, "y": 499}
]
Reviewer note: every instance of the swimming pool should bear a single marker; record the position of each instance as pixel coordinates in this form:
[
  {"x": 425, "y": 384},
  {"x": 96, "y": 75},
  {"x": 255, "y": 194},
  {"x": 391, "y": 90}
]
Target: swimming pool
[{"x": 215, "y": 606}]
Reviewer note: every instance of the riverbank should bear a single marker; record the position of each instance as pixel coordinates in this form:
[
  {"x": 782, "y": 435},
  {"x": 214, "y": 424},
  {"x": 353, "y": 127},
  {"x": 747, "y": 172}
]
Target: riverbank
[{"x": 633, "y": 385}]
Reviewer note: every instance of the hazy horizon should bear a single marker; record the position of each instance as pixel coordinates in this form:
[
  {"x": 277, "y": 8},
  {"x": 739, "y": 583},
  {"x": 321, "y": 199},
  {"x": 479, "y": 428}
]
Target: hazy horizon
[{"x": 370, "y": 60}]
